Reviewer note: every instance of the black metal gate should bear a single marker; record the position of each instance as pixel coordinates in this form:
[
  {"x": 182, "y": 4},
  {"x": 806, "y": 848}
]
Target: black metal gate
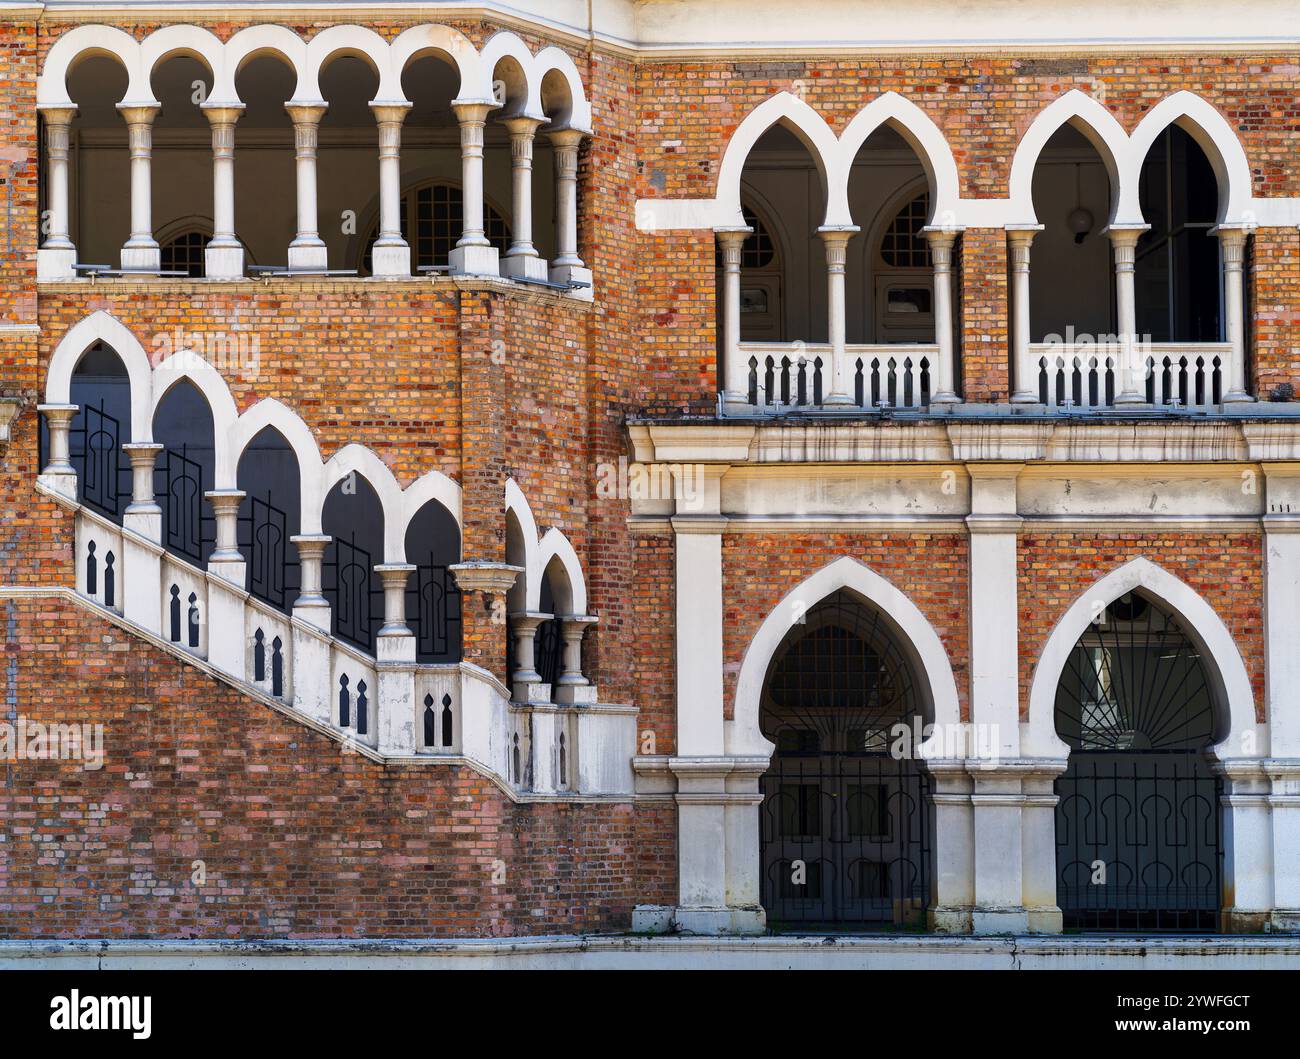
[
  {"x": 1138, "y": 834},
  {"x": 846, "y": 814}
]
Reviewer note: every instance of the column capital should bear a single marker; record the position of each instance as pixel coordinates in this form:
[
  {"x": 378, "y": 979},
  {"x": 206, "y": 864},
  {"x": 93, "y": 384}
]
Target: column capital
[
  {"x": 58, "y": 413},
  {"x": 57, "y": 113},
  {"x": 566, "y": 137},
  {"x": 1125, "y": 235},
  {"x": 139, "y": 113},
  {"x": 306, "y": 112},
  {"x": 472, "y": 111},
  {"x": 479, "y": 576},
  {"x": 222, "y": 113},
  {"x": 522, "y": 125},
  {"x": 395, "y": 110}
]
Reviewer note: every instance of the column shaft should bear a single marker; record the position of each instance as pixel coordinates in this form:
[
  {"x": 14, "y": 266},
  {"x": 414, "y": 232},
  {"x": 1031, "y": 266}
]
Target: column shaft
[
  {"x": 141, "y": 251},
  {"x": 307, "y": 251}
]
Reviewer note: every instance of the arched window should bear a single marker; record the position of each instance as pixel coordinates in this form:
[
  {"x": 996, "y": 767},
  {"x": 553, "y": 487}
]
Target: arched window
[
  {"x": 904, "y": 281},
  {"x": 1138, "y": 843},
  {"x": 184, "y": 252},
  {"x": 431, "y": 224},
  {"x": 845, "y": 820}
]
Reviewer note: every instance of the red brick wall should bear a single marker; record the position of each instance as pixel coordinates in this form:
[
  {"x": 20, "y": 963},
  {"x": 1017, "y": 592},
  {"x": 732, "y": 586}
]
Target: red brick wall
[{"x": 298, "y": 838}]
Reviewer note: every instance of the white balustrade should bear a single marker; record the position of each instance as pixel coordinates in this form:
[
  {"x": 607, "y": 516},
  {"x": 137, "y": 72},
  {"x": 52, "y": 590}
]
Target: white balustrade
[
  {"x": 1087, "y": 376},
  {"x": 798, "y": 375}
]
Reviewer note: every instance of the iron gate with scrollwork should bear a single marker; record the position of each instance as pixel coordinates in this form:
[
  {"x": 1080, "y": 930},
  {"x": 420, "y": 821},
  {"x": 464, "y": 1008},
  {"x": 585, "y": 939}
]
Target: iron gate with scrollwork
[
  {"x": 846, "y": 816},
  {"x": 1138, "y": 835}
]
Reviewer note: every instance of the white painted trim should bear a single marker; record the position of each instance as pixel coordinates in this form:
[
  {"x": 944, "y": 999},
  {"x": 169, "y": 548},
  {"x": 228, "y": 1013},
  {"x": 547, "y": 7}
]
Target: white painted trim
[
  {"x": 103, "y": 327},
  {"x": 540, "y": 549},
  {"x": 1225, "y": 670},
  {"x": 555, "y": 546},
  {"x": 916, "y": 637}
]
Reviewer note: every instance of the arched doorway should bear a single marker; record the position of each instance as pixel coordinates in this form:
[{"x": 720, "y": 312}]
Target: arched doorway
[
  {"x": 846, "y": 814},
  {"x": 1138, "y": 835}
]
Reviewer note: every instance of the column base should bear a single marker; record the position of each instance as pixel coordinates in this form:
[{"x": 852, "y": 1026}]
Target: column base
[
  {"x": 1284, "y": 921},
  {"x": 223, "y": 262},
  {"x": 1237, "y": 397},
  {"x": 232, "y": 570},
  {"x": 1045, "y": 921},
  {"x": 390, "y": 262},
  {"x": 314, "y": 611},
  {"x": 950, "y": 920},
  {"x": 652, "y": 919},
  {"x": 711, "y": 921},
  {"x": 64, "y": 483},
  {"x": 144, "y": 258},
  {"x": 573, "y": 274},
  {"x": 308, "y": 257},
  {"x": 474, "y": 261},
  {"x": 576, "y": 694},
  {"x": 55, "y": 263},
  {"x": 530, "y": 691},
  {"x": 1245, "y": 920},
  {"x": 525, "y": 267},
  {"x": 999, "y": 921},
  {"x": 395, "y": 646}
]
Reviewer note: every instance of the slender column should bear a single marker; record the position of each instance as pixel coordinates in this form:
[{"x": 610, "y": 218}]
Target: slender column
[
  {"x": 391, "y": 256},
  {"x": 57, "y": 254},
  {"x": 394, "y": 576},
  {"x": 572, "y": 686},
  {"x": 941, "y": 242},
  {"x": 227, "y": 575},
  {"x": 225, "y": 506},
  {"x": 735, "y": 370},
  {"x": 313, "y": 683},
  {"x": 837, "y": 242},
  {"x": 141, "y": 251},
  {"x": 1026, "y": 383},
  {"x": 58, "y": 424},
  {"x": 473, "y": 254},
  {"x": 1232, "y": 242},
  {"x": 223, "y": 258},
  {"x": 1132, "y": 372},
  {"x": 143, "y": 515},
  {"x": 567, "y": 266},
  {"x": 526, "y": 682},
  {"x": 522, "y": 258},
  {"x": 307, "y": 251}
]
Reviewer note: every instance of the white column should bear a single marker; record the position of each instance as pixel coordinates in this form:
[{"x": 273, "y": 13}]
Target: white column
[
  {"x": 473, "y": 254},
  {"x": 567, "y": 267},
  {"x": 941, "y": 242},
  {"x": 390, "y": 258},
  {"x": 735, "y": 386},
  {"x": 312, "y": 676},
  {"x": 58, "y": 472},
  {"x": 307, "y": 251},
  {"x": 1131, "y": 388},
  {"x": 840, "y": 390},
  {"x": 572, "y": 686},
  {"x": 141, "y": 567},
  {"x": 1025, "y": 387},
  {"x": 141, "y": 250},
  {"x": 526, "y": 682},
  {"x": 57, "y": 255},
  {"x": 522, "y": 259},
  {"x": 1248, "y": 865},
  {"x": 954, "y": 848},
  {"x": 226, "y": 579},
  {"x": 223, "y": 258},
  {"x": 1232, "y": 243}
]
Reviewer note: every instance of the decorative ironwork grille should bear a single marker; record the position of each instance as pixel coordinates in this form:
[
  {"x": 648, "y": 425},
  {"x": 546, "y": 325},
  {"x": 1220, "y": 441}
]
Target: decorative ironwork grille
[
  {"x": 187, "y": 531},
  {"x": 103, "y": 477},
  {"x": 354, "y": 601},
  {"x": 433, "y": 612},
  {"x": 846, "y": 817},
  {"x": 273, "y": 576},
  {"x": 1138, "y": 839}
]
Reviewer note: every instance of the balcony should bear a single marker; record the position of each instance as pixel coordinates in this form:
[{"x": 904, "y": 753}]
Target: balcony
[
  {"x": 781, "y": 376},
  {"x": 1192, "y": 376}
]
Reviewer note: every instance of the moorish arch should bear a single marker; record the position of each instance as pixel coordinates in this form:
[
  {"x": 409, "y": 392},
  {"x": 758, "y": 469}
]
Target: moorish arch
[
  {"x": 916, "y": 636},
  {"x": 1226, "y": 672}
]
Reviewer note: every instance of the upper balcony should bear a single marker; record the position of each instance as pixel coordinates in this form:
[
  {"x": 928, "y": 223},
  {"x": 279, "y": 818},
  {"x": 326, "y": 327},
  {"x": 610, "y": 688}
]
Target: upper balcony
[
  {"x": 267, "y": 154},
  {"x": 850, "y": 280}
]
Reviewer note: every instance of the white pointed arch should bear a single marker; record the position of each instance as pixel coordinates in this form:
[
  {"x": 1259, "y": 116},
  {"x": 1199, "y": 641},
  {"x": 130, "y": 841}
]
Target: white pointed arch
[
  {"x": 188, "y": 365},
  {"x": 269, "y": 412},
  {"x": 914, "y": 634},
  {"x": 101, "y": 326},
  {"x": 556, "y": 547},
  {"x": 810, "y": 127},
  {"x": 1106, "y": 135},
  {"x": 431, "y": 486},
  {"x": 81, "y": 43},
  {"x": 1208, "y": 127},
  {"x": 1224, "y": 668},
  {"x": 922, "y": 135},
  {"x": 449, "y": 43},
  {"x": 357, "y": 459},
  {"x": 527, "y": 588}
]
